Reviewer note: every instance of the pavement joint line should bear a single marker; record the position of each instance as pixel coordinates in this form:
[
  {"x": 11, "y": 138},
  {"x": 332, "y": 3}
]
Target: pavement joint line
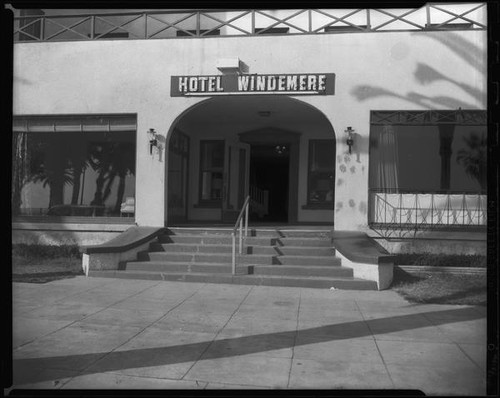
[
  {"x": 376, "y": 345},
  {"x": 141, "y": 331},
  {"x": 294, "y": 340},
  {"x": 468, "y": 357},
  {"x": 118, "y": 373},
  {"x": 438, "y": 328},
  {"x": 70, "y": 295},
  {"x": 81, "y": 319},
  {"x": 218, "y": 332},
  {"x": 229, "y": 384},
  {"x": 456, "y": 343}
]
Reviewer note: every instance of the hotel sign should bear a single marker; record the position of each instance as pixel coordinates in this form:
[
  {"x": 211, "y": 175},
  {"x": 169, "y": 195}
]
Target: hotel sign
[{"x": 291, "y": 84}]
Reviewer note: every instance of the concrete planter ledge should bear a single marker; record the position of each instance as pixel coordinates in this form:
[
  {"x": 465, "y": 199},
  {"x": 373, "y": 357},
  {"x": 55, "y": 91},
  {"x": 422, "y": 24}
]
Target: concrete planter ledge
[
  {"x": 366, "y": 257},
  {"x": 430, "y": 269},
  {"x": 110, "y": 255}
]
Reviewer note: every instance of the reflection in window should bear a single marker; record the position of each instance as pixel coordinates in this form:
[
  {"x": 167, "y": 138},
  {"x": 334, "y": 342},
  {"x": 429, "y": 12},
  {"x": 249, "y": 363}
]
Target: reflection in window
[
  {"x": 439, "y": 158},
  {"x": 211, "y": 168},
  {"x": 427, "y": 170},
  {"x": 321, "y": 172},
  {"x": 178, "y": 158},
  {"x": 67, "y": 167}
]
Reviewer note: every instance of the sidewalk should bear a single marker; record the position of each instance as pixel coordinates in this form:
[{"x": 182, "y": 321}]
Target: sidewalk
[{"x": 104, "y": 333}]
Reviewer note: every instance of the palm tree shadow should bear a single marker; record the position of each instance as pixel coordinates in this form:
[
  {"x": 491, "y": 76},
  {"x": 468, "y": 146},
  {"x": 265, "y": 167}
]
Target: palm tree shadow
[
  {"x": 424, "y": 74},
  {"x": 28, "y": 370}
]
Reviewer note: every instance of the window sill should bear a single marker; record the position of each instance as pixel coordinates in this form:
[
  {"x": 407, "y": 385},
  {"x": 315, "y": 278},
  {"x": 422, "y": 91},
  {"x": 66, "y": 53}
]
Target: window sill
[
  {"x": 318, "y": 206},
  {"x": 110, "y": 224}
]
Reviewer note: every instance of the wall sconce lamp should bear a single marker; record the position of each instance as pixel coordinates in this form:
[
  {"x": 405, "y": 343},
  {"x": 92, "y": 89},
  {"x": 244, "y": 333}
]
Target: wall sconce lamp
[
  {"x": 350, "y": 137},
  {"x": 153, "y": 142}
]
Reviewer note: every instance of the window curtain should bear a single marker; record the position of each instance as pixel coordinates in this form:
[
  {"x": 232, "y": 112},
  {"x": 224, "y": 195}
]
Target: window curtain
[
  {"x": 20, "y": 169},
  {"x": 388, "y": 159}
]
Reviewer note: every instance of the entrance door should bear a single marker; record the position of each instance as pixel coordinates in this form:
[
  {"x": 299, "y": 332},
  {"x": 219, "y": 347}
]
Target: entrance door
[
  {"x": 236, "y": 179},
  {"x": 269, "y": 177}
]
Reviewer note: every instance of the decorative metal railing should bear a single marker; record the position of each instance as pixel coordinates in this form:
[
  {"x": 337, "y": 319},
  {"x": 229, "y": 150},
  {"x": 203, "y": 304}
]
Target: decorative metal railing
[
  {"x": 398, "y": 214},
  {"x": 206, "y": 23},
  {"x": 467, "y": 117},
  {"x": 259, "y": 200}
]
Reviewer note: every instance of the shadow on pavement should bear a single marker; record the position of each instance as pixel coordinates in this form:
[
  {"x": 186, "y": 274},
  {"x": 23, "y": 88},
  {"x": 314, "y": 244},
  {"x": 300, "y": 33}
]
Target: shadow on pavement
[{"x": 229, "y": 347}]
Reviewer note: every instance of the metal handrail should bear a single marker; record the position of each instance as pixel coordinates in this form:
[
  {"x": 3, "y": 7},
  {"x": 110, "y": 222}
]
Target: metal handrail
[{"x": 238, "y": 228}]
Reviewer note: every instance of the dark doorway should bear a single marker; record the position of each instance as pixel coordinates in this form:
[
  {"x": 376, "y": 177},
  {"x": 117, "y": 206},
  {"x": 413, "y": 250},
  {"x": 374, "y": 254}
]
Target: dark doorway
[{"x": 269, "y": 176}]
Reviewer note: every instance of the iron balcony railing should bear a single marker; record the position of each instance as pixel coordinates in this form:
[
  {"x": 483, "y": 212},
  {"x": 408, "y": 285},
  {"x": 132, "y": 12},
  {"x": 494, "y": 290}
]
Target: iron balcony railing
[
  {"x": 208, "y": 23},
  {"x": 391, "y": 211}
]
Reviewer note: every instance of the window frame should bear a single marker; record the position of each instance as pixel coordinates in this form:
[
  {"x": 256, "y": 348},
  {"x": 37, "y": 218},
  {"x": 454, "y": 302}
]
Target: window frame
[
  {"x": 211, "y": 203},
  {"x": 328, "y": 205},
  {"x": 79, "y": 123}
]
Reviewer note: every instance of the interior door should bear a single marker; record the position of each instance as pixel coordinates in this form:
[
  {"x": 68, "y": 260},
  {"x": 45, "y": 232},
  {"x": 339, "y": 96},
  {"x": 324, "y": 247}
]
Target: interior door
[{"x": 236, "y": 179}]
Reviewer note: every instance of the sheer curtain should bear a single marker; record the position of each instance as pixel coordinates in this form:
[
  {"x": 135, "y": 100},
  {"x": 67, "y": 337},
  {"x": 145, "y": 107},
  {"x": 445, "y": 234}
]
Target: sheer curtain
[
  {"x": 388, "y": 159},
  {"x": 20, "y": 169}
]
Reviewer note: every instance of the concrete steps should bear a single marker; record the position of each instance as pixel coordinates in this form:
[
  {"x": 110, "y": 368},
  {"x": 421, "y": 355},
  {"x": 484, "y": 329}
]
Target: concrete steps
[
  {"x": 273, "y": 257},
  {"x": 347, "y": 283}
]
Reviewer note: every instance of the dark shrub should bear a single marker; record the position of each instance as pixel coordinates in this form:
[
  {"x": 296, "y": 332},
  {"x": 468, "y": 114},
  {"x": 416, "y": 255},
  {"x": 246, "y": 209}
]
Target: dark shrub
[
  {"x": 441, "y": 260},
  {"x": 46, "y": 252}
]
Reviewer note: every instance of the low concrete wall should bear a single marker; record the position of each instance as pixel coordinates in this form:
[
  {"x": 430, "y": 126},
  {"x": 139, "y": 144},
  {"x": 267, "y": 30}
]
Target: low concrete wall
[
  {"x": 380, "y": 273},
  {"x": 57, "y": 234},
  {"x": 436, "y": 242},
  {"x": 125, "y": 247},
  {"x": 428, "y": 269},
  {"x": 110, "y": 261}
]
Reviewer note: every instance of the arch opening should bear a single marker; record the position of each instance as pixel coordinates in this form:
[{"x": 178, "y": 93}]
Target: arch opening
[{"x": 279, "y": 150}]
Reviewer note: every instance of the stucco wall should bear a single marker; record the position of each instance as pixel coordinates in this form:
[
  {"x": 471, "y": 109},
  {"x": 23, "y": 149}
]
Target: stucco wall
[{"x": 374, "y": 71}]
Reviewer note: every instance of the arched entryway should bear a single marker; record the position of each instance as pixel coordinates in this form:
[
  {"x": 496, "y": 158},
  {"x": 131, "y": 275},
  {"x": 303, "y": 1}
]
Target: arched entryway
[{"x": 278, "y": 149}]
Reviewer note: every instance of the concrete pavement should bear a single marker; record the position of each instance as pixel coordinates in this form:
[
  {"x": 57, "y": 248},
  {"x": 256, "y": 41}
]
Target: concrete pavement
[{"x": 105, "y": 333}]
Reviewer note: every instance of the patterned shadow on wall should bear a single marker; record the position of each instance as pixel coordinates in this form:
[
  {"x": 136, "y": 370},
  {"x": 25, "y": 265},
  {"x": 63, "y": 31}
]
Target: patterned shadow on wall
[{"x": 425, "y": 74}]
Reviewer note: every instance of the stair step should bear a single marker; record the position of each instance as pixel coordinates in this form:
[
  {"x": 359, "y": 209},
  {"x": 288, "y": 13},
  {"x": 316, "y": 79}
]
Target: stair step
[
  {"x": 253, "y": 232},
  {"x": 298, "y": 251},
  {"x": 221, "y": 258},
  {"x": 294, "y": 270},
  {"x": 307, "y": 260},
  {"x": 254, "y": 250},
  {"x": 189, "y": 248},
  {"x": 303, "y": 242},
  {"x": 346, "y": 283},
  {"x": 160, "y": 266},
  {"x": 211, "y": 240},
  {"x": 290, "y": 233},
  {"x": 249, "y": 249}
]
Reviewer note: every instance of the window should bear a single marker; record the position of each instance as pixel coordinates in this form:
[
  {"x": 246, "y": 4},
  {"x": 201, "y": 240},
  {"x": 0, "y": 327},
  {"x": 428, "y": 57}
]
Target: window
[
  {"x": 271, "y": 31},
  {"x": 427, "y": 169},
  {"x": 211, "y": 169},
  {"x": 321, "y": 173},
  {"x": 73, "y": 165},
  {"x": 441, "y": 157},
  {"x": 178, "y": 159},
  {"x": 202, "y": 32},
  {"x": 346, "y": 28}
]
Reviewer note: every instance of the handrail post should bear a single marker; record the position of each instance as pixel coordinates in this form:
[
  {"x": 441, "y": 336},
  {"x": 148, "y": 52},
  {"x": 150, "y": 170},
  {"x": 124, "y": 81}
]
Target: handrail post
[
  {"x": 233, "y": 256},
  {"x": 238, "y": 228},
  {"x": 241, "y": 236},
  {"x": 246, "y": 219}
]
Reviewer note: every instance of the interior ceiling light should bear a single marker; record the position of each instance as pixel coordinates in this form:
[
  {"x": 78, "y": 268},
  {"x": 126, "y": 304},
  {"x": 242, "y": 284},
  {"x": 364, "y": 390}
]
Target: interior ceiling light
[{"x": 280, "y": 149}]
